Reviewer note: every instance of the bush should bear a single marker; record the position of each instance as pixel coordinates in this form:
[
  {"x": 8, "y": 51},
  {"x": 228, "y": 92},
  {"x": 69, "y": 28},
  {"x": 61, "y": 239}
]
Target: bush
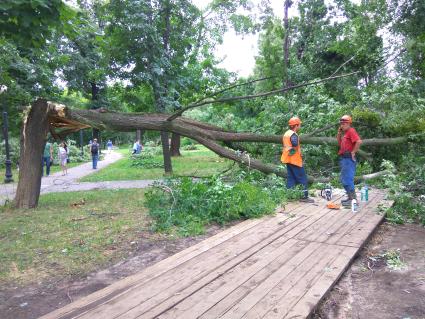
[
  {"x": 190, "y": 147},
  {"x": 13, "y": 152},
  {"x": 186, "y": 206},
  {"x": 407, "y": 189},
  {"x": 145, "y": 160}
]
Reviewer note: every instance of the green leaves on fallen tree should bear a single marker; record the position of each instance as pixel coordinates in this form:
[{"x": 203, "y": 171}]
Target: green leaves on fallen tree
[{"x": 185, "y": 206}]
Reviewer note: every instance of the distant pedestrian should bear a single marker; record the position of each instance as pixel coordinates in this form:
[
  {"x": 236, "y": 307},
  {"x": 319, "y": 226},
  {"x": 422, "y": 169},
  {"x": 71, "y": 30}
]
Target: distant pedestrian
[
  {"x": 136, "y": 147},
  {"x": 63, "y": 157},
  {"x": 47, "y": 158},
  {"x": 94, "y": 149},
  {"x": 109, "y": 145}
]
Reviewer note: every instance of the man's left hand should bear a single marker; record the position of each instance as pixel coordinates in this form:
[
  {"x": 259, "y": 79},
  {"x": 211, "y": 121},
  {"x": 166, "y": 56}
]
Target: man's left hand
[{"x": 353, "y": 156}]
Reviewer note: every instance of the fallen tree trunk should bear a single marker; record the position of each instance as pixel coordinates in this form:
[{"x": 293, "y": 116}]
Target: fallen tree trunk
[{"x": 63, "y": 121}]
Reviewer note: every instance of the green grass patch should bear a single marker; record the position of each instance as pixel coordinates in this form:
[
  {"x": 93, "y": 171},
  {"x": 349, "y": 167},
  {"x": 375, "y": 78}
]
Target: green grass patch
[
  {"x": 69, "y": 234},
  {"x": 201, "y": 162}
]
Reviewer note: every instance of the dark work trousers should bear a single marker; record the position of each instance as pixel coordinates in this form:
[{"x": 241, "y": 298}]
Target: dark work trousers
[
  {"x": 297, "y": 175},
  {"x": 45, "y": 161},
  {"x": 348, "y": 170}
]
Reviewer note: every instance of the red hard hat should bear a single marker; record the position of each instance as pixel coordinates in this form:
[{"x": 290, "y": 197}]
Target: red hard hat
[
  {"x": 346, "y": 119},
  {"x": 294, "y": 121}
]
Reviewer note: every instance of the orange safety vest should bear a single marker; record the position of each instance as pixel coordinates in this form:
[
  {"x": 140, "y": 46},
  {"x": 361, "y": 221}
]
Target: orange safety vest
[{"x": 295, "y": 159}]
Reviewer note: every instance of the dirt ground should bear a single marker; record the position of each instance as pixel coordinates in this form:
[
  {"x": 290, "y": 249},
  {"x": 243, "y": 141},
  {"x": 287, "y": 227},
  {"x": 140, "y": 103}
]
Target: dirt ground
[{"x": 368, "y": 290}]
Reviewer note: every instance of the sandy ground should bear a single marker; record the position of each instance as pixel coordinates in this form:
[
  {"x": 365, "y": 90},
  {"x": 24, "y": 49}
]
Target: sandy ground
[{"x": 372, "y": 290}]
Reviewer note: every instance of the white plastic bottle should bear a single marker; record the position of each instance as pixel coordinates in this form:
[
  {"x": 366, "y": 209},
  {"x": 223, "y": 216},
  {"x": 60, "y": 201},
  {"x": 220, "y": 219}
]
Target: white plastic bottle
[{"x": 354, "y": 206}]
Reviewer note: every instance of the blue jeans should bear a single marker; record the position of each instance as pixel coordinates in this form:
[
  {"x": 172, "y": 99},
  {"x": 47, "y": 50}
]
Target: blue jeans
[
  {"x": 45, "y": 161},
  {"x": 348, "y": 171},
  {"x": 95, "y": 158},
  {"x": 297, "y": 175}
]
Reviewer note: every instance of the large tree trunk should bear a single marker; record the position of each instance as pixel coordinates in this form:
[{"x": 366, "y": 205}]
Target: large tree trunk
[
  {"x": 166, "y": 151},
  {"x": 175, "y": 145},
  {"x": 33, "y": 139},
  {"x": 95, "y": 96},
  {"x": 71, "y": 120}
]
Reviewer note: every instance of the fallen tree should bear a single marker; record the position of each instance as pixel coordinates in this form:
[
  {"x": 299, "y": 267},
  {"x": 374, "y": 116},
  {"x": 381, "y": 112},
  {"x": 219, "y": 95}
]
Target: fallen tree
[{"x": 60, "y": 120}]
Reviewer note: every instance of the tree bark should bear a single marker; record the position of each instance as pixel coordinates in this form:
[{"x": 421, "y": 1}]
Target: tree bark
[
  {"x": 166, "y": 151},
  {"x": 175, "y": 145},
  {"x": 33, "y": 138}
]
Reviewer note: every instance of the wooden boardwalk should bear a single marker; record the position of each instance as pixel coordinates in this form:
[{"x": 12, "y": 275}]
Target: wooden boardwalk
[{"x": 275, "y": 267}]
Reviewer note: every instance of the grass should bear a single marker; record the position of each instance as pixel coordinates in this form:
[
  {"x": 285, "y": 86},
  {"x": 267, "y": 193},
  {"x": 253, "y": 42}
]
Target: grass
[
  {"x": 200, "y": 162},
  {"x": 69, "y": 234}
]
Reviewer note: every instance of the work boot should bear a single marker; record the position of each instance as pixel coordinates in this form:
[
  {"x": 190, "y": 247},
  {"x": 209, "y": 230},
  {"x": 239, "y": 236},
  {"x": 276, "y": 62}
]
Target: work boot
[{"x": 350, "y": 197}]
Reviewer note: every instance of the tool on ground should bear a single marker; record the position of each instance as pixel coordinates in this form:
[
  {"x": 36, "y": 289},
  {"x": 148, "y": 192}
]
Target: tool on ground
[
  {"x": 332, "y": 205},
  {"x": 326, "y": 192}
]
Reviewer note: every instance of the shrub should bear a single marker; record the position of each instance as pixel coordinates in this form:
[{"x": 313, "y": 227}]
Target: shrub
[
  {"x": 13, "y": 152},
  {"x": 145, "y": 160},
  {"x": 407, "y": 189},
  {"x": 185, "y": 206}
]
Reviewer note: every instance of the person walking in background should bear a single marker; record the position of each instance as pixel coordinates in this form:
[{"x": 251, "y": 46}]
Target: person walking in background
[
  {"x": 63, "y": 157},
  {"x": 292, "y": 157},
  {"x": 109, "y": 145},
  {"x": 94, "y": 149},
  {"x": 349, "y": 143},
  {"x": 136, "y": 147},
  {"x": 47, "y": 158}
]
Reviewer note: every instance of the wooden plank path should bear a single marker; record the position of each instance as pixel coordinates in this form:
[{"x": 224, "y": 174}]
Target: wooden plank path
[{"x": 275, "y": 267}]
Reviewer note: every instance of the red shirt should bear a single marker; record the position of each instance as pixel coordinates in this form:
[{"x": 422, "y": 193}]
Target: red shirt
[{"x": 347, "y": 142}]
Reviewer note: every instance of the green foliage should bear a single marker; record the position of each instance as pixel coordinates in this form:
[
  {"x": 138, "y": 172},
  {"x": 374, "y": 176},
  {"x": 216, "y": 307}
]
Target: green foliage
[
  {"x": 393, "y": 259},
  {"x": 407, "y": 189},
  {"x": 186, "y": 206},
  {"x": 14, "y": 152},
  {"x": 146, "y": 160}
]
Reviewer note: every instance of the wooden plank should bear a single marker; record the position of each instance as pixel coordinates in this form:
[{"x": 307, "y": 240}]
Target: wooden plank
[
  {"x": 117, "y": 289},
  {"x": 279, "y": 299},
  {"x": 366, "y": 215},
  {"x": 308, "y": 302},
  {"x": 261, "y": 297},
  {"x": 275, "y": 222},
  {"x": 247, "y": 294},
  {"x": 341, "y": 220},
  {"x": 150, "y": 272},
  {"x": 280, "y": 251},
  {"x": 195, "y": 271},
  {"x": 273, "y": 266}
]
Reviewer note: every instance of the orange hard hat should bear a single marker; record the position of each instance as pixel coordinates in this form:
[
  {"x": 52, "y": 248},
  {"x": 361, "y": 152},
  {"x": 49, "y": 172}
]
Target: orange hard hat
[
  {"x": 346, "y": 119},
  {"x": 294, "y": 121}
]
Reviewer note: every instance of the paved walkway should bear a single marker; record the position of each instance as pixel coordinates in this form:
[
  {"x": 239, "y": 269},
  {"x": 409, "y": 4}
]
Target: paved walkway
[{"x": 69, "y": 183}]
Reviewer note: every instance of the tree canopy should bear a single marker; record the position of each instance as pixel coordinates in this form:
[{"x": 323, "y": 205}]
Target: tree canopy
[{"x": 330, "y": 58}]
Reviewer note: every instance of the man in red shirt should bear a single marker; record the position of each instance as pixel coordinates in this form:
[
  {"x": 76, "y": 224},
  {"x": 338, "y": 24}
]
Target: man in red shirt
[{"x": 349, "y": 143}]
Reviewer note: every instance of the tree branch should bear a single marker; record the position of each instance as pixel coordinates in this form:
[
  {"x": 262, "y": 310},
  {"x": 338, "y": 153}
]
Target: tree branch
[{"x": 247, "y": 97}]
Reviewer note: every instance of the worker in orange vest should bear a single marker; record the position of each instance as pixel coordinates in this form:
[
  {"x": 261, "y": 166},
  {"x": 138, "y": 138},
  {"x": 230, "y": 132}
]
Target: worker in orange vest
[{"x": 292, "y": 157}]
